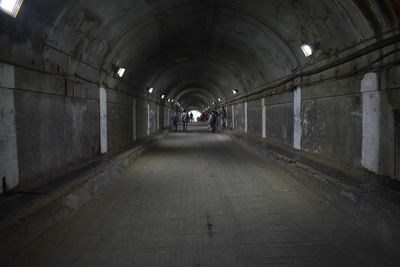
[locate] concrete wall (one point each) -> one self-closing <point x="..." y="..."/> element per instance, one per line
<point x="279" y="118"/>
<point x="352" y="121"/>
<point x="119" y="120"/>
<point x="57" y="124"/>
<point x="332" y="120"/>
<point x="9" y="171"/>
<point x="49" y="122"/>
<point x="389" y="89"/>
<point x="254" y="120"/>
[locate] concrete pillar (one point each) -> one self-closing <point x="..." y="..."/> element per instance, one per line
<point x="297" y="128"/>
<point x="9" y="171"/>
<point x="264" y="118"/>
<point x="233" y="116"/>
<point x="148" y="119"/>
<point x="245" y="118"/>
<point x="134" y="133"/>
<point x="370" y="122"/>
<point x="158" y="117"/>
<point x="103" y="120"/>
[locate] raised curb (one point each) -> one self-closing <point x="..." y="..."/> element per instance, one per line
<point x="378" y="215"/>
<point x="46" y="210"/>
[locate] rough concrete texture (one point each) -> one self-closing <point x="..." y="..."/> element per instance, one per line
<point x="332" y="121"/>
<point x="24" y="217"/>
<point x="119" y="120"/>
<point x="390" y="123"/>
<point x="279" y="117"/>
<point x="198" y="199"/>
<point x="254" y="119"/>
<point x="239" y="117"/>
<point x="52" y="133"/>
<point x="9" y="171"/>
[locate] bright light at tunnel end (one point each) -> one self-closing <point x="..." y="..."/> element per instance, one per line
<point x="11" y="7"/>
<point x="307" y="50"/>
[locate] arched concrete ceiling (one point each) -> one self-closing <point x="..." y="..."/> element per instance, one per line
<point x="206" y="48"/>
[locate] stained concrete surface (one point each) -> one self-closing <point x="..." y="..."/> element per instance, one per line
<point x="198" y="199"/>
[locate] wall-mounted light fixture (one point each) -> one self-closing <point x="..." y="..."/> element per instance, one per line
<point x="219" y="99"/>
<point x="11" y="7"/>
<point x="151" y="90"/>
<point x="163" y="96"/>
<point x="307" y="50"/>
<point x="235" y="91"/>
<point x="121" y="72"/>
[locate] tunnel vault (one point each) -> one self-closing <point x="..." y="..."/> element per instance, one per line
<point x="197" y="53"/>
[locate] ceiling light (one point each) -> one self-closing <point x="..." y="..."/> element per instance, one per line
<point x="11" y="7"/>
<point x="172" y="101"/>
<point x="151" y="90"/>
<point x="121" y="72"/>
<point x="235" y="91"/>
<point x="163" y="96"/>
<point x="307" y="50"/>
<point x="219" y="99"/>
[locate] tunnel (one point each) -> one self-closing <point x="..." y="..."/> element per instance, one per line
<point x="303" y="168"/>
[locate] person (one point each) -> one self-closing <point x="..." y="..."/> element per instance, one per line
<point x="223" y="117"/>
<point x="175" y="120"/>
<point x="185" y="120"/>
<point x="212" y="121"/>
<point x="191" y="117"/>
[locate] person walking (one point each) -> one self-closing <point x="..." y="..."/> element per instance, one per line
<point x="175" y="120"/>
<point x="191" y="117"/>
<point x="185" y="120"/>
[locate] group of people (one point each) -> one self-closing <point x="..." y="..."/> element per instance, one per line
<point x="210" y="116"/>
<point x="185" y="118"/>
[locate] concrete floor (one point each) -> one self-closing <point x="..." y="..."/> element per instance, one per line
<point x="200" y="200"/>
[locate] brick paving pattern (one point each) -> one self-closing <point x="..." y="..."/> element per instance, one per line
<point x="198" y="199"/>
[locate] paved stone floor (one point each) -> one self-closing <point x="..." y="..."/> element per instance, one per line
<point x="200" y="200"/>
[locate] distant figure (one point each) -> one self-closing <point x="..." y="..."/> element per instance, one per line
<point x="191" y="117"/>
<point x="223" y="117"/>
<point x="185" y="120"/>
<point x="175" y="120"/>
<point x="212" y="120"/>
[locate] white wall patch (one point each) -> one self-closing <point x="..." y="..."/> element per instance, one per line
<point x="370" y="122"/>
<point x="245" y="118"/>
<point x="264" y="118"/>
<point x="103" y="120"/>
<point x="297" y="129"/>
